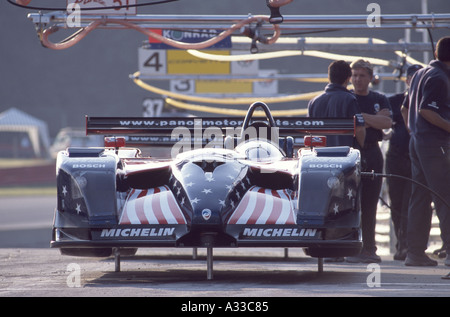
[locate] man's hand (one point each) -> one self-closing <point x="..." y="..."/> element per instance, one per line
<point x="381" y="120"/>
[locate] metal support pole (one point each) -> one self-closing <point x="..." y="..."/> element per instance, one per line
<point x="209" y="263"/>
<point x="320" y="265"/>
<point x="116" y="252"/>
<point x="291" y="22"/>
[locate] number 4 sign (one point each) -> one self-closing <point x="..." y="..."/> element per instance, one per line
<point x="152" y="62"/>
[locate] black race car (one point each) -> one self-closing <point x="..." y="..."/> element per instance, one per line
<point x="247" y="186"/>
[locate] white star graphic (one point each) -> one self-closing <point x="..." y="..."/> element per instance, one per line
<point x="210" y="179"/>
<point x="350" y="193"/>
<point x="78" y="209"/>
<point x="64" y="190"/>
<point x="336" y="209"/>
<point x="189" y="184"/>
<point x="207" y="191"/>
<point x="195" y="200"/>
<point x="222" y="202"/>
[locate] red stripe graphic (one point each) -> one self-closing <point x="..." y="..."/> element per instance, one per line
<point x="240" y="210"/>
<point x="139" y="207"/>
<point x="153" y="206"/>
<point x="260" y="203"/>
<point x="276" y="208"/>
<point x="156" y="207"/>
<point x="264" y="206"/>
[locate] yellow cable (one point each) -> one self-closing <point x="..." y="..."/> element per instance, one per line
<point x="351" y="40"/>
<point x="287" y="53"/>
<point x="225" y="101"/>
<point x="233" y="112"/>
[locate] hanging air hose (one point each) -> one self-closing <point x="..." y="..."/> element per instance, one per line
<point x="373" y="175"/>
<point x="80" y="34"/>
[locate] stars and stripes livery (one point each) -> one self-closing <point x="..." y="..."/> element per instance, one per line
<point x="264" y="206"/>
<point x="152" y="206"/>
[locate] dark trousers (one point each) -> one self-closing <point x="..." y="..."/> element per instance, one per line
<point x="372" y="160"/>
<point x="399" y="190"/>
<point x="430" y="164"/>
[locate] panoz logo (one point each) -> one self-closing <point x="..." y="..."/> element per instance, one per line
<point x="206" y="214"/>
<point x="279" y="232"/>
<point x="137" y="232"/>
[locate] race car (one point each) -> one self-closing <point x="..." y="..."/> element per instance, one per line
<point x="247" y="187"/>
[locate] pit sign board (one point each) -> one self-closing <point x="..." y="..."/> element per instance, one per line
<point x="162" y="59"/>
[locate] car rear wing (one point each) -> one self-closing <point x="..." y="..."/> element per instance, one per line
<point x="167" y="130"/>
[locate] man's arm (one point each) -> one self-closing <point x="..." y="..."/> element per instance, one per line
<point x="381" y="120"/>
<point x="435" y="119"/>
<point x="434" y="98"/>
<point x="405" y="115"/>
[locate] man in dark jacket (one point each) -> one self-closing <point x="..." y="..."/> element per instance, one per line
<point x="429" y="123"/>
<point x="338" y="102"/>
<point x="398" y="163"/>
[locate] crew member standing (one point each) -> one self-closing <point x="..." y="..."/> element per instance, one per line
<point x="338" y="102"/>
<point x="377" y="114"/>
<point x="398" y="163"/>
<point x="429" y="122"/>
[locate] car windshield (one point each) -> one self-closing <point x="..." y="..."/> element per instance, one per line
<point x="256" y="150"/>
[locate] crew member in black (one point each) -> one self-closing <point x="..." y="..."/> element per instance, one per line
<point x="338" y="102"/>
<point x="377" y="116"/>
<point x="429" y="122"/>
<point x="398" y="163"/>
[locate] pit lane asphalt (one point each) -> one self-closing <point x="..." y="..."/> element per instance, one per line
<point x="28" y="267"/>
